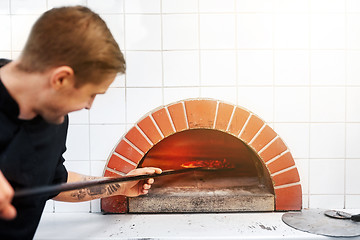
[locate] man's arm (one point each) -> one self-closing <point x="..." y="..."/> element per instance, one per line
<point x="7" y="211"/>
<point x="130" y="189"/>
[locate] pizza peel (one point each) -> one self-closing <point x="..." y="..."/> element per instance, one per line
<point x="318" y="221"/>
<point x="56" y="188"/>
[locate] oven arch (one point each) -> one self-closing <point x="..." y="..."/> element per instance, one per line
<point x="203" y="113"/>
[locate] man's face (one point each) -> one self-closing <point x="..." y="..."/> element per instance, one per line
<point x="72" y="99"/>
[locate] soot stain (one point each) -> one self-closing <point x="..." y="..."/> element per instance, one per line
<point x="266" y="228"/>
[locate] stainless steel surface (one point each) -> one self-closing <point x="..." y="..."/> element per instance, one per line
<point x="315" y="221"/>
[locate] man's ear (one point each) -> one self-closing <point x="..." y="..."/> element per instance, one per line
<point x="61" y="77"/>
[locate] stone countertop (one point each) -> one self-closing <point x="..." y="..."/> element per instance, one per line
<point x="169" y="226"/>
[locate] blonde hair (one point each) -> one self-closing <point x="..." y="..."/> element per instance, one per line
<point x="75" y="37"/>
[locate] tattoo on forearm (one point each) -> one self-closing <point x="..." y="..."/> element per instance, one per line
<point x="79" y="194"/>
<point x="95" y="191"/>
<point x="112" y="188"/>
<point x="99" y="190"/>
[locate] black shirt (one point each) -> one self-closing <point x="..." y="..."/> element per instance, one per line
<point x="30" y="155"/>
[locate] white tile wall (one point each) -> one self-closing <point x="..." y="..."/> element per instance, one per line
<point x="217" y="31"/>
<point x="143" y="32"/>
<point x="142" y="6"/>
<point x="294" y="63"/>
<point x="150" y="64"/>
<point x="255" y="67"/>
<point x="59" y="3"/>
<point x="291" y="30"/>
<point x="4" y="7"/>
<point x="327" y="140"/>
<point x="291" y="67"/>
<point x="5" y="28"/>
<point x="258" y="34"/>
<point x="327" y="30"/>
<point x="218" y="67"/>
<point x="248" y="97"/>
<point x="180" y="6"/>
<point x="28" y="7"/>
<point x="105" y="6"/>
<point x="352" y="71"/>
<point x="180" y="31"/>
<point x="181" y="68"/>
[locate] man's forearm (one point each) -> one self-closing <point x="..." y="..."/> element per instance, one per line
<point x="89" y="193"/>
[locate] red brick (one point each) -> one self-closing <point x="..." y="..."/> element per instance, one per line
<point x="135" y="137"/>
<point x="119" y="164"/>
<point x="115" y="204"/>
<point x="238" y="121"/>
<point x="178" y="117"/>
<point x="289" y="198"/>
<point x="266" y="135"/>
<point x="274" y="149"/>
<point x="283" y="162"/>
<point x="251" y="128"/>
<point x="200" y="113"/>
<point x="223" y="116"/>
<point x="162" y="120"/>
<point x="291" y="176"/>
<point x="150" y="130"/>
<point x="111" y="174"/>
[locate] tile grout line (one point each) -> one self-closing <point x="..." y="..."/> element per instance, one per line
<point x="309" y="119"/>
<point x="170" y="118"/>
<point x="156" y="126"/>
<point x="144" y="135"/>
<point x="236" y="55"/>
<point x="133" y="146"/>
<point x="257" y="133"/>
<point x="125" y="159"/>
<point x="277" y="157"/>
<point x="283" y="171"/>
<point x="186" y="117"/>
<point x="216" y="114"/>
<point x="244" y="126"/>
<point x="162" y="52"/>
<point x="231" y="118"/>
<point x="268" y="144"/>
<point x="287" y="185"/>
<point x="199" y="48"/>
<point x="346" y="92"/>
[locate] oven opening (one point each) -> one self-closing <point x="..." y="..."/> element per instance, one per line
<point x="241" y="182"/>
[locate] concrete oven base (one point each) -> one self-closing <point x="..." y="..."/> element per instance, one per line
<point x="225" y="200"/>
<point x="254" y="226"/>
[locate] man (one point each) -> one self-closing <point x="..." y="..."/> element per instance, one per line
<point x="69" y="58"/>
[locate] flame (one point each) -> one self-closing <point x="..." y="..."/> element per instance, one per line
<point x="208" y="164"/>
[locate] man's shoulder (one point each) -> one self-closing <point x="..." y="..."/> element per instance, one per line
<point x="4" y="61"/>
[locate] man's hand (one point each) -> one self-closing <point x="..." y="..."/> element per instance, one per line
<point x="136" y="188"/>
<point x="7" y="211"/>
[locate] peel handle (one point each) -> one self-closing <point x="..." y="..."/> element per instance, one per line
<point x="54" y="189"/>
<point x="355" y="218"/>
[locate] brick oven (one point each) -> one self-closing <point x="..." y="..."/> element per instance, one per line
<point x="263" y="176"/>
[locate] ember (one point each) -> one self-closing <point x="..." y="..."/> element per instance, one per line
<point x="208" y="164"/>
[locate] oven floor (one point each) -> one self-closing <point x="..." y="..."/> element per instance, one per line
<point x="219" y="191"/>
<point x="254" y="226"/>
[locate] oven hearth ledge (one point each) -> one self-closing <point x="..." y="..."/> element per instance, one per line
<point x="264" y="225"/>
